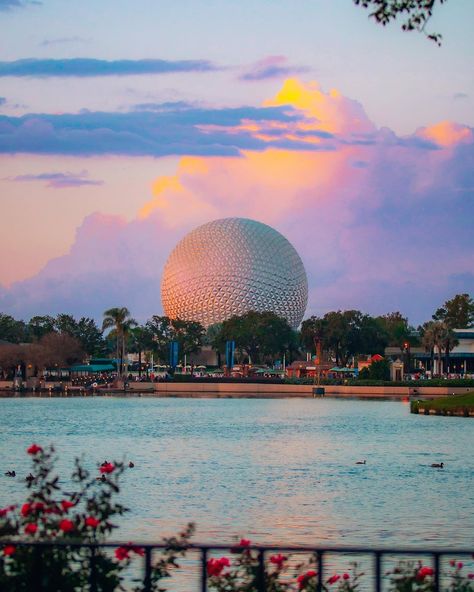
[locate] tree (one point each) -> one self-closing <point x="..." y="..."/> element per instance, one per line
<point x="212" y="338"/>
<point x="258" y="334"/>
<point x="12" y="330"/>
<point x="120" y="323"/>
<point x="54" y="349"/>
<point x="457" y="313"/>
<point x="39" y="326"/>
<point x="189" y="335"/>
<point x="418" y="13"/>
<point x="447" y="342"/>
<point x="378" y="370"/>
<point x="429" y="339"/>
<point x="11" y="355"/>
<point x="90" y="336"/>
<point x="140" y="339"/>
<point x="313" y="333"/>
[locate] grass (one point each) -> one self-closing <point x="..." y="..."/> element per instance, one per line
<point x="463" y="404"/>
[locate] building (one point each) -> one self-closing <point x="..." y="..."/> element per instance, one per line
<point x="460" y="361"/>
<point x="232" y="266"/>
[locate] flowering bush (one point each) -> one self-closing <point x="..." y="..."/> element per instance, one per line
<point x="83" y="516"/>
<point x="458" y="580"/>
<point x="242" y="573"/>
<point x="411" y="576"/>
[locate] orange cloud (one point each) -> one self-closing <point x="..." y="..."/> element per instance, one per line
<point x="447" y="133"/>
<point x="331" y="112"/>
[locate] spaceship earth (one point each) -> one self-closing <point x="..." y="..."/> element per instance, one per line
<point x="230" y="266"/>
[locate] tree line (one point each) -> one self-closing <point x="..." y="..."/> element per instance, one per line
<point x="47" y="341"/>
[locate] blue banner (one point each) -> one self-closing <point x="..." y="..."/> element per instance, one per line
<point x="229" y="354"/>
<point x="174" y="350"/>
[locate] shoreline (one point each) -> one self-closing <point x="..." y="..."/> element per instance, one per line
<point x="244" y="390"/>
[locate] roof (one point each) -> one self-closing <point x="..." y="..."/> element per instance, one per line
<point x="92" y="368"/>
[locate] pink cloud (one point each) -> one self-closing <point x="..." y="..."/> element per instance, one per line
<point x="382" y="223"/>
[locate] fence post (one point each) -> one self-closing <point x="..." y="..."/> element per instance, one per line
<point x="203" y="570"/>
<point x="378" y="575"/>
<point x="261" y="571"/>
<point x="319" y="556"/>
<point x="436" y="572"/>
<point x="147" y="580"/>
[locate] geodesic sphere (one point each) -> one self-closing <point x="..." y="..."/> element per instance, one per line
<point x="231" y="266"/>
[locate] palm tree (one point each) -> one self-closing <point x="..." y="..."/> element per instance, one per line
<point x="438" y="329"/>
<point x="120" y="321"/>
<point x="448" y="342"/>
<point x="429" y="341"/>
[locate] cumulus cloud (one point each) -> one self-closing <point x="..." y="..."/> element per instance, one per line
<point x="59" y="180"/>
<point x="269" y="68"/>
<point x="380" y="225"/>
<point x="87" y="67"/>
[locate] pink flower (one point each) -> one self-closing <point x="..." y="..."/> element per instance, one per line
<point x="346" y="576"/>
<point x="215" y="566"/>
<point x="278" y="560"/>
<point x="34" y="449"/>
<point x="333" y="579"/>
<point x="122" y="553"/>
<point x="92" y="522"/>
<point x="66" y="504"/>
<point x="423" y="572"/>
<point x="9" y="550"/>
<point x="470" y="576"/>
<point x="452" y="563"/>
<point x="304" y="578"/>
<point x="38" y="507"/>
<point x="460" y="565"/>
<point x="66" y="525"/>
<point x="107" y="468"/>
<point x="244" y="543"/>
<point x="31" y="528"/>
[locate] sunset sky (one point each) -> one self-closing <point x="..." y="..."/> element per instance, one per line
<point x="124" y="124"/>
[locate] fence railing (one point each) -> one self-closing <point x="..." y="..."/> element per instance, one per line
<point x="432" y="557"/>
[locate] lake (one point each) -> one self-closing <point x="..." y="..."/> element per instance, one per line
<point x="278" y="471"/>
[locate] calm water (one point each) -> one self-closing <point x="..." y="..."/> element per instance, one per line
<point x="275" y="471"/>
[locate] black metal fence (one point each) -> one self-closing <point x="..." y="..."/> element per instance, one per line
<point x="377" y="558"/>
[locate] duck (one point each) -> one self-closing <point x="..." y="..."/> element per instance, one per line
<point x="131" y="465"/>
<point x="106" y="462"/>
<point x="437" y="465"/>
<point x="361" y="462"/>
<point x="10" y="474"/>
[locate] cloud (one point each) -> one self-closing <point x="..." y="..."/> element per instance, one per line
<point x="3" y="100"/>
<point x="10" y="4"/>
<point x="63" y="40"/>
<point x="460" y="96"/>
<point x="380" y="225"/>
<point x="269" y="68"/>
<point x="59" y="180"/>
<point x="87" y="67"/>
<point x="155" y="132"/>
<point x="446" y="133"/>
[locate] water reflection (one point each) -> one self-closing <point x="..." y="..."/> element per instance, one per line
<point x="273" y="470"/>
